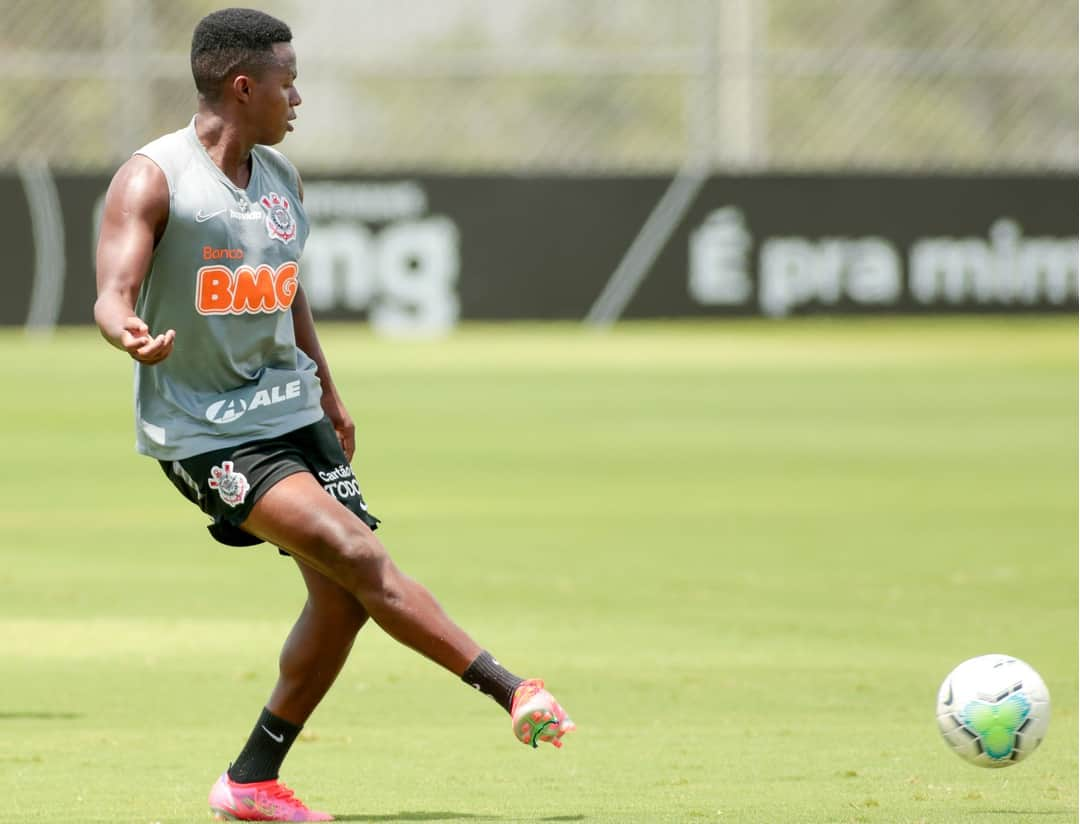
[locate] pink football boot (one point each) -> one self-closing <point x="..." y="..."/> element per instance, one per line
<point x="260" y="801"/>
<point x="537" y="716"/>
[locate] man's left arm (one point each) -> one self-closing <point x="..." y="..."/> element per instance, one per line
<point x="308" y="342"/>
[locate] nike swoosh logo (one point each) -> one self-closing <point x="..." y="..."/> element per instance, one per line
<point x="202" y="217"/>
<point x="948" y="701"/>
<point x="279" y="738"/>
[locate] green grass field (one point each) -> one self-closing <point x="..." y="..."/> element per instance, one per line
<point x="744" y="555"/>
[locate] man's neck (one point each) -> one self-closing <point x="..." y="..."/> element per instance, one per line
<point x="227" y="147"/>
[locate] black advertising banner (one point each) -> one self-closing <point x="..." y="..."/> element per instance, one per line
<point x="788" y="245"/>
<point x="478" y="248"/>
<point x="18" y="240"/>
<point x="418" y="254"/>
<point x="49" y="233"/>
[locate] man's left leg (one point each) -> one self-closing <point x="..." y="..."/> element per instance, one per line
<point x="310" y="661"/>
<point x="312" y="657"/>
<point x="317" y="647"/>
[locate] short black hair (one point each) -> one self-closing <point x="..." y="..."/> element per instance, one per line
<point x="233" y="40"/>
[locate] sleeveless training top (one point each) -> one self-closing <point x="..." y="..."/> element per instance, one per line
<point x="223" y="275"/>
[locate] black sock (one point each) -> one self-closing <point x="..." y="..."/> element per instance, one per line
<point x="488" y="676"/>
<point x="265" y="749"/>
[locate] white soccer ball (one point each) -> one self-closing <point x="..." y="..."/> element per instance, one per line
<point x="993" y="710"/>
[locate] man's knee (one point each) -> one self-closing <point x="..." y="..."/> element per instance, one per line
<point x="335" y="607"/>
<point x="366" y="569"/>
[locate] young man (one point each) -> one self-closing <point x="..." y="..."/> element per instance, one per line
<point x="197" y="270"/>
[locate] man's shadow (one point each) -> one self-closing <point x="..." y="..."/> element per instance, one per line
<point x="444" y="815"/>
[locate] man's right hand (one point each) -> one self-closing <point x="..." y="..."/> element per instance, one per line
<point x="137" y="341"/>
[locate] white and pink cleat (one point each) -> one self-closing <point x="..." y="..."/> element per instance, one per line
<point x="260" y="801"/>
<point x="537" y="716"/>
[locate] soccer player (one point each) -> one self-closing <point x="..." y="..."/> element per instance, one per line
<point x="198" y="281"/>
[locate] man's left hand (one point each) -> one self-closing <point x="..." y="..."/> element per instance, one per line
<point x="343" y="423"/>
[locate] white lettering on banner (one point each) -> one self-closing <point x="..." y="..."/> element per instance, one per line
<point x="720" y="259"/>
<point x="797" y="271"/>
<point x="417" y="265"/>
<point x="334" y="200"/>
<point x="405" y="275"/>
<point x="338" y="266"/>
<point x="1005" y="269"/>
<point x="227" y="411"/>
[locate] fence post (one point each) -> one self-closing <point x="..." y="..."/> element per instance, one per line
<point x="127" y="38"/>
<point x="740" y="99"/>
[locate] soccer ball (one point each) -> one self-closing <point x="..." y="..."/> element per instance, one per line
<point x="993" y="710"/>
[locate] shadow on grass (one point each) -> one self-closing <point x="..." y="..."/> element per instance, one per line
<point x="40" y="716"/>
<point x="407" y="815"/>
<point x="442" y="815"/>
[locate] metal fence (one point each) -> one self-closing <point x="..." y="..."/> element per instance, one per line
<point x="593" y="86"/>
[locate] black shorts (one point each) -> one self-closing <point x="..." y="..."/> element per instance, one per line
<point x="226" y="483"/>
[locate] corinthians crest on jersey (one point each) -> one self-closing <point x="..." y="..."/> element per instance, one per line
<point x="279" y="219"/>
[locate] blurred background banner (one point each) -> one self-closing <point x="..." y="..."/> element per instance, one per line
<point x="413" y="255"/>
<point x="593" y="159"/>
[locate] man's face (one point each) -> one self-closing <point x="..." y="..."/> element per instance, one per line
<point x="274" y="97"/>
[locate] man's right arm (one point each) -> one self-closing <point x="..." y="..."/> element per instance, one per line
<point x="136" y="212"/>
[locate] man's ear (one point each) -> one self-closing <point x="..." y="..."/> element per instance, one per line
<point x="242" y="86"/>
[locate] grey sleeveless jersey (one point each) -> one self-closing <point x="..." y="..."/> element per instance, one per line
<point x="224" y="276"/>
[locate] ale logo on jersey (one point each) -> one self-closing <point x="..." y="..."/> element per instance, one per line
<point x="227" y="411"/>
<point x="279" y="220"/>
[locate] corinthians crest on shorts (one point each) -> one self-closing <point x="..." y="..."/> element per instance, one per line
<point x="231" y="486"/>
<point x="279" y="220"/>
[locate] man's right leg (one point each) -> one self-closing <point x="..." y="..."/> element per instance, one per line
<point x="297" y="515"/>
